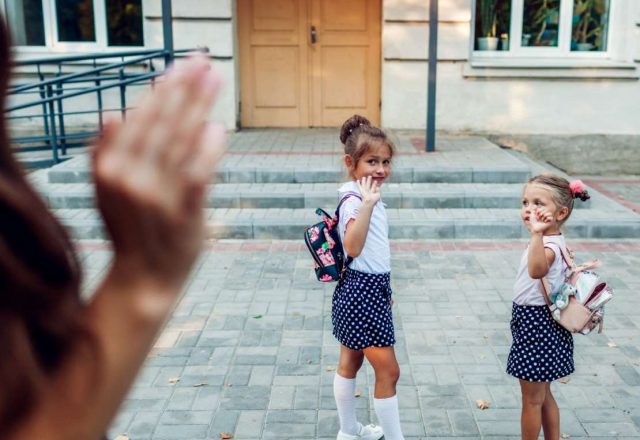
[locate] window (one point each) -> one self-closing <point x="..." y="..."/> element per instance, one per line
<point x="26" y="20"/>
<point x="75" y="24"/>
<point x="542" y="27"/>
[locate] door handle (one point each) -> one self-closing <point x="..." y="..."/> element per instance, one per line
<point x="314" y="35"/>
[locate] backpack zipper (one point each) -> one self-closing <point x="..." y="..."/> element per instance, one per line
<point x="312" y="250"/>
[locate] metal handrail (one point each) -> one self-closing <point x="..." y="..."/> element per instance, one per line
<point x="18" y="89"/>
<point x="56" y="87"/>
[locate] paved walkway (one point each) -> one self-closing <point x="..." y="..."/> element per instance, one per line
<point x="249" y="349"/>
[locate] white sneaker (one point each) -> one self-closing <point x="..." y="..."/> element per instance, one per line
<point x="369" y="432"/>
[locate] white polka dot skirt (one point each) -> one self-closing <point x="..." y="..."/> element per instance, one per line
<point x="361" y="312"/>
<point x="542" y="350"/>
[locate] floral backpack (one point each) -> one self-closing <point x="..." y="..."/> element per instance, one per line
<point x="323" y="241"/>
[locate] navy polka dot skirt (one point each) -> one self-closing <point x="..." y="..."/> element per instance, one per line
<point x="542" y="350"/>
<point x="361" y="312"/>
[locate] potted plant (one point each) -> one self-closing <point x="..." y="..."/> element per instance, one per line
<point x="546" y="15"/>
<point x="488" y="23"/>
<point x="504" y="41"/>
<point x="588" y="29"/>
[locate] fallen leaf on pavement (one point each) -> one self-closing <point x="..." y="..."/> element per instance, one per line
<point x="482" y="404"/>
<point x="565" y="435"/>
<point x="173" y="380"/>
<point x="257" y="317"/>
<point x="565" y="379"/>
<point x="225" y="435"/>
<point x="330" y="369"/>
<point x="357" y="393"/>
<point x="201" y="384"/>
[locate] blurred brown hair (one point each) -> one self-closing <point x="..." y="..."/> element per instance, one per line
<point x="40" y="305"/>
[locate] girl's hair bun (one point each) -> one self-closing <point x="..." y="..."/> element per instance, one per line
<point x="350" y="125"/>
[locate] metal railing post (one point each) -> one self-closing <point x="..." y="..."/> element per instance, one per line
<point x="53" y="138"/>
<point x="99" y="96"/>
<point x="123" y="97"/>
<point x="59" y="92"/>
<point x="431" y="88"/>
<point x="167" y="31"/>
<point x="45" y="116"/>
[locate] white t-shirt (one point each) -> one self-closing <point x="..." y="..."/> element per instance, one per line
<point x="528" y="291"/>
<point x="376" y="255"/>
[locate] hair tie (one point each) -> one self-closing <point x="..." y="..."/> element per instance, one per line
<point x="578" y="190"/>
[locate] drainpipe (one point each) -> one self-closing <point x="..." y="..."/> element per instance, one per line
<point x="167" y="32"/>
<point x="431" y="77"/>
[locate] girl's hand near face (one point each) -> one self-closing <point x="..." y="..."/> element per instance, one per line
<point x="540" y="220"/>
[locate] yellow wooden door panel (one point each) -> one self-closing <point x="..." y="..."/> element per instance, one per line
<point x="344" y="15"/>
<point x="345" y="61"/>
<point x="275" y="15"/>
<point x="273" y="63"/>
<point x="344" y="78"/>
<point x="277" y="79"/>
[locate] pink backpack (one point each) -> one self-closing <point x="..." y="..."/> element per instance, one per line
<point x="584" y="310"/>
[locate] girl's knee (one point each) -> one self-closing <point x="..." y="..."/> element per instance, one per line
<point x="389" y="375"/>
<point x="348" y="371"/>
<point x="533" y="401"/>
<point x="533" y="394"/>
<point x="348" y="366"/>
<point x="534" y="398"/>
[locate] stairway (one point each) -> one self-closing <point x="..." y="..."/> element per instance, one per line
<point x="271" y="181"/>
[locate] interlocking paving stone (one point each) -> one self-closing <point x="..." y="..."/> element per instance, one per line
<point x="452" y="348"/>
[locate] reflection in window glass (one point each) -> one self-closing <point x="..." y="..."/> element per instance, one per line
<point x="540" y="23"/>
<point x="26" y="22"/>
<point x="493" y="21"/>
<point x="75" y="20"/>
<point x="590" y="25"/>
<point x="124" y="23"/>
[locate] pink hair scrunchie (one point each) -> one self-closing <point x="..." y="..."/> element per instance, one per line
<point x="577" y="187"/>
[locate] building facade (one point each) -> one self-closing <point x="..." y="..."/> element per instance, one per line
<point x="565" y="67"/>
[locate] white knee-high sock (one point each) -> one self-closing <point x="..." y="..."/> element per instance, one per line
<point x="344" y="392"/>
<point x="389" y="417"/>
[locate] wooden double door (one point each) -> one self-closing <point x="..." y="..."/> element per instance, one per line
<point x="308" y="63"/>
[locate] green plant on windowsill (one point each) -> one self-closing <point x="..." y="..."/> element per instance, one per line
<point x="588" y="30"/>
<point x="488" y="39"/>
<point x="546" y="10"/>
<point x="488" y="18"/>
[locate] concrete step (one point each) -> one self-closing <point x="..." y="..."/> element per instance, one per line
<point x="282" y="223"/>
<point x="311" y="195"/>
<point x="257" y="168"/>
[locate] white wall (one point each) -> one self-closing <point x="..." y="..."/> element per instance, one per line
<point x="202" y="23"/>
<point x="603" y="98"/>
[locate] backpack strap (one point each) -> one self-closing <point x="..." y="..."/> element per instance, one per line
<point x="546" y="287"/>
<point x="344" y="199"/>
<point x="337" y="221"/>
<point x="567" y="256"/>
<point x="546" y="291"/>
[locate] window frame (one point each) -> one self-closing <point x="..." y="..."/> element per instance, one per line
<point x="53" y="45"/>
<point x="562" y="51"/>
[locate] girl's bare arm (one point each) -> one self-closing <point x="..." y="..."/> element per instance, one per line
<point x="357" y="229"/>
